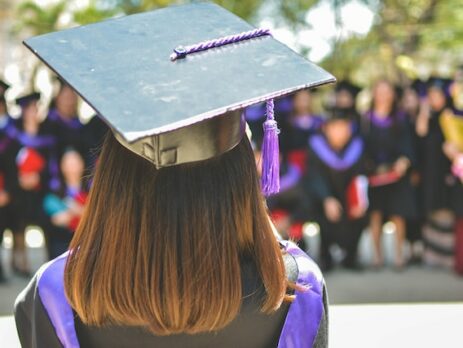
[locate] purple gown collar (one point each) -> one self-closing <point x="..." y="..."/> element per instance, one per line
<point x="73" y="123"/>
<point x="342" y="161"/>
<point x="300" y="328"/>
<point x="291" y="178"/>
<point x="35" y="141"/>
<point x="51" y="292"/>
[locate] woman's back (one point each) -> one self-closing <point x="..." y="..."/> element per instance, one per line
<point x="42" y="320"/>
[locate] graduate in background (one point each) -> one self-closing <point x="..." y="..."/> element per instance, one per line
<point x="413" y="95"/>
<point x="65" y="207"/>
<point x="438" y="181"/>
<point x="345" y="95"/>
<point x="64" y="120"/>
<point x="335" y="178"/>
<point x="389" y="156"/>
<point x="302" y="123"/>
<point x="8" y="174"/>
<point x="38" y="171"/>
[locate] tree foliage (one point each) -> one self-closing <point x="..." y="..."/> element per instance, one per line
<point x="405" y="33"/>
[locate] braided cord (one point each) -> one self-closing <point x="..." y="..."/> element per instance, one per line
<point x="182" y="52"/>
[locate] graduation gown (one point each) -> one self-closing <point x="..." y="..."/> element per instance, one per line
<point x="45" y="319"/>
<point x="386" y="141"/>
<point x="68" y="132"/>
<point x="28" y="203"/>
<point x="330" y="174"/>
<point x="8" y="175"/>
<point x="436" y="168"/>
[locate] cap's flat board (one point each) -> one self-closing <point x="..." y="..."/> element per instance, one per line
<point x="121" y="67"/>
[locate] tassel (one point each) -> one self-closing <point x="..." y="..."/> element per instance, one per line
<point x="270" y="154"/>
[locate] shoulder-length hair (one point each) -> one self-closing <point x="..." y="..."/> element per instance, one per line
<point x="162" y="248"/>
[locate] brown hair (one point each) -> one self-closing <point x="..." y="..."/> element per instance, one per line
<point x="162" y="248"/>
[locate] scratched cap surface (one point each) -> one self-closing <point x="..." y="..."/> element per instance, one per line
<point x="122" y="68"/>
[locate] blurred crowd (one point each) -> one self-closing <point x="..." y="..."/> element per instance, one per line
<point x="44" y="167"/>
<point x="351" y="166"/>
<point x="346" y="165"/>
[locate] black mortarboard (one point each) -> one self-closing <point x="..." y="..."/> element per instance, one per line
<point x="336" y="113"/>
<point x="440" y="83"/>
<point x="25" y="100"/>
<point x="348" y="86"/>
<point x="419" y="86"/>
<point x="3" y="87"/>
<point x="172" y="111"/>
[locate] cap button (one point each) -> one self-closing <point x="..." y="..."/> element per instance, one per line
<point x="180" y="52"/>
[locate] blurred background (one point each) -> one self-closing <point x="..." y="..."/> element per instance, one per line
<point x="392" y="123"/>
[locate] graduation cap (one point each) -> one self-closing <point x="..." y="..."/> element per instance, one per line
<point x="440" y="83"/>
<point x="3" y="87"/>
<point x="334" y="113"/>
<point x="25" y="100"/>
<point x="172" y="83"/>
<point x="346" y="85"/>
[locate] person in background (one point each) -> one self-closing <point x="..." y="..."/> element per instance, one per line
<point x="335" y="178"/>
<point x="302" y="123"/>
<point x="437" y="180"/>
<point x="64" y="120"/>
<point x="37" y="174"/>
<point x="410" y="103"/>
<point x="64" y="208"/>
<point x="389" y="156"/>
<point x="345" y="94"/>
<point x="8" y="175"/>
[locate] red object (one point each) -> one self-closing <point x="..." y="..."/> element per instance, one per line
<point x="357" y="196"/>
<point x="298" y="158"/>
<point x="459" y="246"/>
<point x="295" y="230"/>
<point x="2" y="182"/>
<point x="383" y="179"/>
<point x="80" y="198"/>
<point x="29" y="161"/>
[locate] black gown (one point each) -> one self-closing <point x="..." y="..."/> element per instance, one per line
<point x="386" y="141"/>
<point x="8" y="176"/>
<point x="249" y="329"/>
<point x="437" y="180"/>
<point x="329" y="175"/>
<point x="28" y="203"/>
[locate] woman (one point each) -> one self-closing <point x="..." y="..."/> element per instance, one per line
<point x="207" y="268"/>
<point x="175" y="247"/>
<point x="64" y="119"/>
<point x="8" y="176"/>
<point x="64" y="208"/>
<point x="440" y="187"/>
<point x="389" y="155"/>
<point x="35" y="165"/>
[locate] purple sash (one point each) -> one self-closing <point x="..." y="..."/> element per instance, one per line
<point x="349" y="157"/>
<point x="299" y="330"/>
<point x="305" y="313"/>
<point x="51" y="292"/>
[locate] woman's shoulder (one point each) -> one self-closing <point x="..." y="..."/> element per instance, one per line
<point x="300" y="268"/>
<point x="41" y="309"/>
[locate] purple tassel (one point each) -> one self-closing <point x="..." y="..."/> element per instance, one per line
<point x="270" y="154"/>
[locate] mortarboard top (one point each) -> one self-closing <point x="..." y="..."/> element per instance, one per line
<point x="25" y="100"/>
<point x="122" y="68"/>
